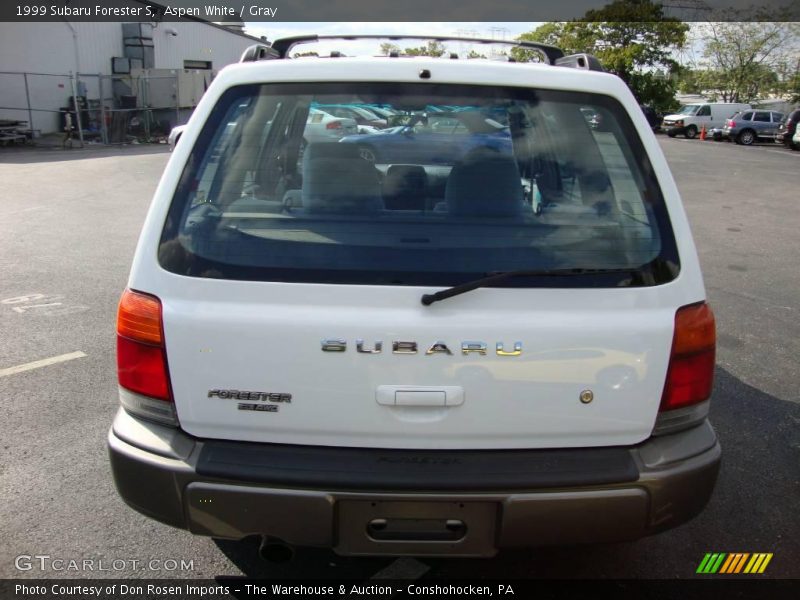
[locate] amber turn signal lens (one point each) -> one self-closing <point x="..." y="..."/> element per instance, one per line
<point x="139" y="318"/>
<point x="695" y="329"/>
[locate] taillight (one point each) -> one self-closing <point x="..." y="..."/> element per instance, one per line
<point x="334" y="125"/>
<point x="142" y="359"/>
<point x="731" y="123"/>
<point x="142" y="369"/>
<point x="690" y="375"/>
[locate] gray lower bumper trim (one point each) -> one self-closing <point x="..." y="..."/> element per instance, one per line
<point x="676" y="476"/>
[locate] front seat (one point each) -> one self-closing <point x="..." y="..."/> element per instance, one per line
<point x="405" y="187"/>
<point x="485" y="183"/>
<point x="337" y="180"/>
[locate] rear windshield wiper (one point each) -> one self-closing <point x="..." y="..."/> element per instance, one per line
<point x="468" y="286"/>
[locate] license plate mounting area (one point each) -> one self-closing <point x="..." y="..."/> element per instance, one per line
<point x="416" y="527"/>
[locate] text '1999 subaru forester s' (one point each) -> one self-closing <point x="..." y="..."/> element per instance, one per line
<point x="483" y="326"/>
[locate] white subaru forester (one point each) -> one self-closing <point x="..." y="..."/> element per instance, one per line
<point x="481" y="327"/>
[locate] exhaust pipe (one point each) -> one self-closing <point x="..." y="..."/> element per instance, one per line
<point x="275" y="551"/>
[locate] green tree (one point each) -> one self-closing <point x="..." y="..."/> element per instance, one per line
<point x="388" y="48"/>
<point x="552" y="34"/>
<point x="793" y="85"/>
<point x="632" y="39"/>
<point x="432" y="48"/>
<point x="788" y="73"/>
<point x="689" y="81"/>
<point x="743" y="58"/>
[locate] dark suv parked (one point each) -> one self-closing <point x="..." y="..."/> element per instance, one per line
<point x="653" y="118"/>
<point x="787" y="128"/>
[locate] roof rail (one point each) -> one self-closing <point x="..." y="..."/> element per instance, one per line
<point x="258" y="52"/>
<point x="580" y="61"/>
<point x="555" y="56"/>
<point x="283" y="46"/>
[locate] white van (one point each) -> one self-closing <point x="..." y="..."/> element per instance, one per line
<point x="490" y="336"/>
<point x="691" y="118"/>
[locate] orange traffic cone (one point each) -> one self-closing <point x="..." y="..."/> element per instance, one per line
<point x="703" y="132"/>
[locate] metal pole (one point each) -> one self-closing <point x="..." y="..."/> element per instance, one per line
<point x="177" y="100"/>
<point x="103" y="130"/>
<point x="28" y="100"/>
<point x="72" y="79"/>
<point x="146" y="114"/>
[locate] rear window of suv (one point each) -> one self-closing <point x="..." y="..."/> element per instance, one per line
<point x="463" y="181"/>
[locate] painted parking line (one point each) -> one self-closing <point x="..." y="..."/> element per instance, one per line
<point x="45" y="362"/>
<point x="783" y="152"/>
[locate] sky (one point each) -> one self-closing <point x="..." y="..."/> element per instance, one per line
<point x="275" y="30"/>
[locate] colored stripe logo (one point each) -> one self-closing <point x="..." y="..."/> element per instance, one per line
<point x="734" y="563"/>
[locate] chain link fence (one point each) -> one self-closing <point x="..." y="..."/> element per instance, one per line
<point x="83" y="108"/>
<point x="25" y="112"/>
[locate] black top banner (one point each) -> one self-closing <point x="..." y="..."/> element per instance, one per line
<point x="381" y="10"/>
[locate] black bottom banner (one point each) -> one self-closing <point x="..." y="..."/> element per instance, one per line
<point x="384" y="589"/>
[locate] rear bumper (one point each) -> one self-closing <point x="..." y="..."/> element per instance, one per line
<point x="628" y="493"/>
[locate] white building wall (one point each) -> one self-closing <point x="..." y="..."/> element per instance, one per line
<point x="51" y="47"/>
<point x="196" y="41"/>
<point x="62" y="48"/>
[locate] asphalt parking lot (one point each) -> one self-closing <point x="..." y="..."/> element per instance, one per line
<point x="69" y="221"/>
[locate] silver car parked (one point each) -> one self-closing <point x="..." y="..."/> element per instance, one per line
<point x="750" y="126"/>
